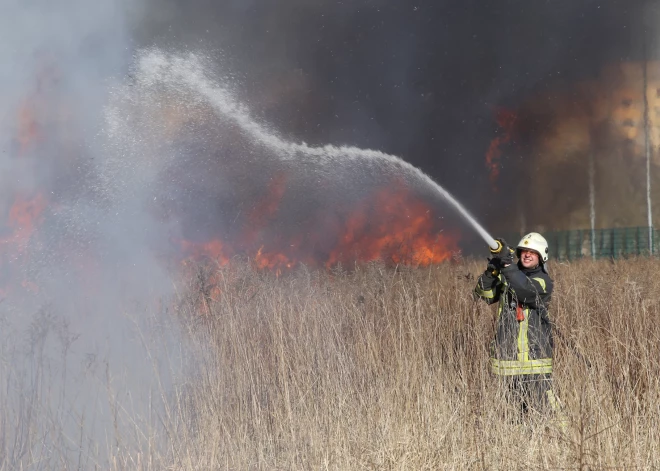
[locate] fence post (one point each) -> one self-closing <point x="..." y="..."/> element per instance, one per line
<point x="652" y="241"/>
<point x="578" y="249"/>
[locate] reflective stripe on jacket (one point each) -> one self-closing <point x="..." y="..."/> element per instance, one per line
<point x="521" y="346"/>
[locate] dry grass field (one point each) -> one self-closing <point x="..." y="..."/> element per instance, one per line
<point x="386" y="369"/>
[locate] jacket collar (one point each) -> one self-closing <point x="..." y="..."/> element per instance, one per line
<point x="531" y="271"/>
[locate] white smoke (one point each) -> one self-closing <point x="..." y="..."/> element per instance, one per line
<point x="189" y="76"/>
<point x="76" y="305"/>
<point x="100" y="151"/>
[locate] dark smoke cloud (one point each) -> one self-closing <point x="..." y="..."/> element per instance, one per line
<point x="417" y="79"/>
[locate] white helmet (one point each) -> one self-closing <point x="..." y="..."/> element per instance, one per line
<point x="536" y="242"/>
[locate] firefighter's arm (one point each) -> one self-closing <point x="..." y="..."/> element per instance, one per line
<point x="532" y="291"/>
<point x="488" y="287"/>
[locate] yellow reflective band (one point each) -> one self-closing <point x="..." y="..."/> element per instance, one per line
<point x="541" y="281"/>
<point x="514" y="368"/>
<point x="484" y="293"/>
<point x="523" y="343"/>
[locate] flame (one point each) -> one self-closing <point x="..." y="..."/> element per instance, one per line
<point x="214" y="249"/>
<point x="23" y="217"/>
<point x="391" y="225"/>
<point x="38" y="109"/>
<point x="506" y="121"/>
<point x="43" y="134"/>
<point x="273" y="261"/>
<point x="25" y="213"/>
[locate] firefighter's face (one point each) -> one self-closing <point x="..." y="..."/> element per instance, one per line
<point x="529" y="258"/>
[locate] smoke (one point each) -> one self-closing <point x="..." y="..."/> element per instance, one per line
<point x="106" y="168"/>
<point x="218" y="173"/>
<point x="79" y="286"/>
<point x="422" y="80"/>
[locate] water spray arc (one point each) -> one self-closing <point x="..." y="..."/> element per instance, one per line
<point x="188" y="73"/>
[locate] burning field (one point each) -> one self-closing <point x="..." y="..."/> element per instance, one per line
<point x="95" y="223"/>
<point x="186" y="284"/>
<point x="210" y="188"/>
<point x="390" y="225"/>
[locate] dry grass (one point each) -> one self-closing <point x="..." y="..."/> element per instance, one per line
<point x="387" y="369"/>
<point x="383" y="369"/>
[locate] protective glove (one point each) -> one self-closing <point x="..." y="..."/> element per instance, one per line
<point x="493" y="267"/>
<point x="504" y="257"/>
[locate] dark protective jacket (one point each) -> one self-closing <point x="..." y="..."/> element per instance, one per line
<point x="523" y="340"/>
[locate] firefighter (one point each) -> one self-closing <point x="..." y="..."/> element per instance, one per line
<point x="521" y="353"/>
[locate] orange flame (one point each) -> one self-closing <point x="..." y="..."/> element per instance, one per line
<point x="392" y="225"/>
<point x="24" y="215"/>
<point x="33" y="109"/>
<point x="214" y="249"/>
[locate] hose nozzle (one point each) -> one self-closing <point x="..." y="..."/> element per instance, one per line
<point x="498" y="248"/>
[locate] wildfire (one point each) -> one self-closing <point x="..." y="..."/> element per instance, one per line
<point x="391" y="225"/>
<point x="19" y="222"/>
<point x="23" y="217"/>
<point x="24" y="214"/>
<point x="395" y="227"/>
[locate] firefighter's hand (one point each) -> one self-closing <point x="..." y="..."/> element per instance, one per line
<point x="504" y="257"/>
<point x="493" y="266"/>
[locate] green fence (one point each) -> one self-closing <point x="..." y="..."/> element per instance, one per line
<point x="602" y="243"/>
